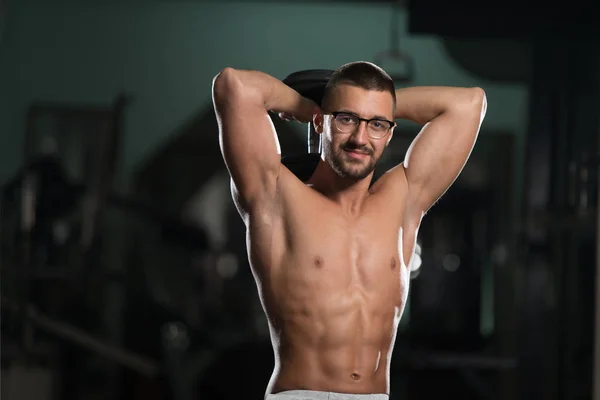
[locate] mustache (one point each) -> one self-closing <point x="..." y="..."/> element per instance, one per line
<point x="357" y="148"/>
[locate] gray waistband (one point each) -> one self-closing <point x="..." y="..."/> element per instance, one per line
<point x="314" y="395"/>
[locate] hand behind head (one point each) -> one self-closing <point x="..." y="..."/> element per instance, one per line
<point x="304" y="114"/>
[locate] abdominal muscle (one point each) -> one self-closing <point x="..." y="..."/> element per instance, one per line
<point x="334" y="340"/>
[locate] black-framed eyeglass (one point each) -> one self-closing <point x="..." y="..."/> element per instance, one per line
<point x="347" y="122"/>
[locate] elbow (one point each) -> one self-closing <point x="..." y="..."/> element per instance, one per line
<point x="232" y="86"/>
<point x="473" y="96"/>
<point x="227" y="74"/>
<point x="225" y="83"/>
<point x="479" y="102"/>
<point x="478" y="93"/>
<point x="476" y="98"/>
<point x="472" y="100"/>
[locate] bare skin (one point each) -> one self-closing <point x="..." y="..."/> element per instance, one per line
<point x="330" y="257"/>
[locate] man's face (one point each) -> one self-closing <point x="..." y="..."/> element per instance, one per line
<point x="354" y="154"/>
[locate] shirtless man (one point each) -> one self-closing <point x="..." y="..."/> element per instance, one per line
<point x="330" y="256"/>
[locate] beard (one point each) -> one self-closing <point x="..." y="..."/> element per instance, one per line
<point x="346" y="166"/>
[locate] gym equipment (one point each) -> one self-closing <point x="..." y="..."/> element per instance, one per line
<point x="53" y="219"/>
<point x="52" y="196"/>
<point x="397" y="63"/>
<point x="311" y="84"/>
<point x="303" y="165"/>
<point x="56" y="196"/>
<point x="141" y="364"/>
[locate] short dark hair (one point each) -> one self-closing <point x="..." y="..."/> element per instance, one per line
<point x="362" y="74"/>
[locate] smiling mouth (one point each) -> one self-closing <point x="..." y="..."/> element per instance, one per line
<point x="355" y="153"/>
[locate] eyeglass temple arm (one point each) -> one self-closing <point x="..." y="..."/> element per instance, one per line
<point x="314" y="140"/>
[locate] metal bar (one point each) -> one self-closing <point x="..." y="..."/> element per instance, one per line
<point x="141" y="364"/>
<point x="314" y="139"/>
<point x="138" y="363"/>
<point x="466" y="361"/>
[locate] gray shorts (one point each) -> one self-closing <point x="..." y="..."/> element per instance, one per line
<point x="314" y="395"/>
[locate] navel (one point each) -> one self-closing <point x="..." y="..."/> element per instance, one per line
<point x="355" y="376"/>
<point x="318" y="261"/>
<point x="393" y="263"/>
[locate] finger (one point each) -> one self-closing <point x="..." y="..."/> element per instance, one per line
<point x="286" y="117"/>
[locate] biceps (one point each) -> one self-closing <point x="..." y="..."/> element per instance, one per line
<point x="438" y="154"/>
<point x="250" y="148"/>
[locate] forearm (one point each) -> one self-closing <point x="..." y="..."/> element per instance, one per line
<point x="423" y="104"/>
<point x="271" y="92"/>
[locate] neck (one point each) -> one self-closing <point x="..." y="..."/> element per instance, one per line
<point x="348" y="193"/>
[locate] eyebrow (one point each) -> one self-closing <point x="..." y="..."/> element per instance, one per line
<point x="374" y="117"/>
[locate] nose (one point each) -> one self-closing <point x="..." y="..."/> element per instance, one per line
<point x="360" y="135"/>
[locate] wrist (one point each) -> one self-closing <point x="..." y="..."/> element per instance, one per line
<point x="400" y="111"/>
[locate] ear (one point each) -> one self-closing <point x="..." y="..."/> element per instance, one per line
<point x="390" y="137"/>
<point x="318" y="122"/>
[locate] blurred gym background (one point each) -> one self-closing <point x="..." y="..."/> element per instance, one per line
<point x="124" y="271"/>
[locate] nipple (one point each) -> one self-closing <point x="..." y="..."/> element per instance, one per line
<point x="319" y="261"/>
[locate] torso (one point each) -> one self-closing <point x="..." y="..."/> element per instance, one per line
<point x="333" y="287"/>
